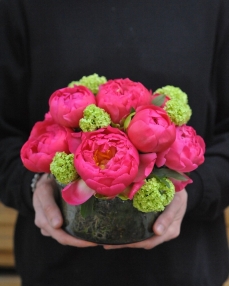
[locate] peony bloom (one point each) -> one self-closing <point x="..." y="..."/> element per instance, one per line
<point x="118" y="97"/>
<point x="45" y="140"/>
<point x="107" y="161"/>
<point x="67" y="105"/>
<point x="41" y="127"/>
<point x="151" y="130"/>
<point x="187" y="151"/>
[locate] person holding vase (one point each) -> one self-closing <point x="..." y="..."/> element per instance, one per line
<point x="46" y="44"/>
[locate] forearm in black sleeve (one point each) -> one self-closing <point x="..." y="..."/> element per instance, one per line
<point x="14" y="114"/>
<point x="209" y="194"/>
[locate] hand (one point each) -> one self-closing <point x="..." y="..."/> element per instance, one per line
<point x="167" y="225"/>
<point x="48" y="216"/>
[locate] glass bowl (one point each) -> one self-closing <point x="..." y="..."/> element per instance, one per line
<point x="112" y="221"/>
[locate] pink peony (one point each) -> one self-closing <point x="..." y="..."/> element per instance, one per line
<point x="118" y="97"/>
<point x="107" y="161"/>
<point x="48" y="116"/>
<point x="41" y="127"/>
<point x="151" y="130"/>
<point x="67" y="105"/>
<point x="187" y="152"/>
<point x="45" y="140"/>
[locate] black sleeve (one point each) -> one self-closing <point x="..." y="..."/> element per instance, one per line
<point x="14" y="113"/>
<point x="209" y="194"/>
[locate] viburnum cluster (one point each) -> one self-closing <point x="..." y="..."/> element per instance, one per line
<point x="116" y="138"/>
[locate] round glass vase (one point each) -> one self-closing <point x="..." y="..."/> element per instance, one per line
<point x="111" y="221"/>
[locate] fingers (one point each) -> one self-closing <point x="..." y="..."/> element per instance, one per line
<point x="146" y="244"/>
<point x="173" y="212"/>
<point x="57" y="233"/>
<point x="65" y="239"/>
<point x="48" y="216"/>
<point x="44" y="203"/>
<point x="166" y="227"/>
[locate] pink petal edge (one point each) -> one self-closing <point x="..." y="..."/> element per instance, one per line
<point x="135" y="187"/>
<point x="146" y="165"/>
<point x="77" y="192"/>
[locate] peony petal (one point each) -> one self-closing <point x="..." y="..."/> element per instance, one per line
<point x="134" y="188"/>
<point x="111" y="190"/>
<point x="146" y="165"/>
<point x="77" y="193"/>
<point x="74" y="140"/>
<point x="161" y="158"/>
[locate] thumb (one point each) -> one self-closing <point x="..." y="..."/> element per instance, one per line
<point x="165" y="219"/>
<point x="174" y="211"/>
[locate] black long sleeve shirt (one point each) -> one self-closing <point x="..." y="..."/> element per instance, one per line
<point x="44" y="45"/>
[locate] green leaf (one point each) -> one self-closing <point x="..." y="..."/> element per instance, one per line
<point x="163" y="181"/>
<point x="87" y="208"/>
<point x="166" y="172"/>
<point x="115" y="125"/>
<point x="101" y="197"/>
<point x="123" y="197"/>
<point x="127" y="120"/>
<point x="158" y="101"/>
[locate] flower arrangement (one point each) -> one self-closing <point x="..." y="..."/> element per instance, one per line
<point x="115" y="138"/>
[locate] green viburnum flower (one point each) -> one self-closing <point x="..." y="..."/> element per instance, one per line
<point x="173" y="93"/>
<point x="94" y="118"/>
<point x="179" y="113"/>
<point x="154" y="195"/>
<point x="62" y="167"/>
<point x="92" y="82"/>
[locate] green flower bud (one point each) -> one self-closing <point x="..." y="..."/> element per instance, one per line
<point x="62" y="167"/>
<point x="173" y="93"/>
<point x="92" y="82"/>
<point x="179" y="113"/>
<point x="94" y="118"/>
<point x="154" y="195"/>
